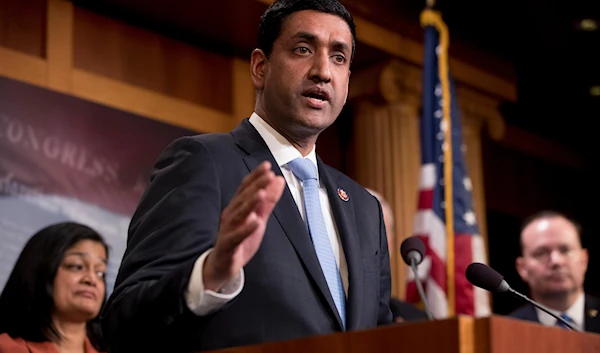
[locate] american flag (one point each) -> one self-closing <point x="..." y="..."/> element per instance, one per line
<point x="447" y="290"/>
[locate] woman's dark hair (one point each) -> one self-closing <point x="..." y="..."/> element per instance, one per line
<point x="27" y="301"/>
<point x="273" y="19"/>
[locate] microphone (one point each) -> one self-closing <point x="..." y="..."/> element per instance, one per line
<point x="485" y="277"/>
<point x="412" y="251"/>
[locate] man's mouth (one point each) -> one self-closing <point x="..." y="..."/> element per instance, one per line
<point x="557" y="276"/>
<point x="317" y="96"/>
<point x="316" y="93"/>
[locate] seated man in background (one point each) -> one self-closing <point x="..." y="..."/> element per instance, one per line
<point x="401" y="310"/>
<point x="553" y="264"/>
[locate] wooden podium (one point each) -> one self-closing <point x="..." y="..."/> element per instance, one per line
<point x="457" y="335"/>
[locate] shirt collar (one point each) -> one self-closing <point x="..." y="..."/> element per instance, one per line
<point x="281" y="149"/>
<point x="575" y="312"/>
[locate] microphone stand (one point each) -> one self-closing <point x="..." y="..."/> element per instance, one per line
<point x="413" y="265"/>
<point x="545" y="309"/>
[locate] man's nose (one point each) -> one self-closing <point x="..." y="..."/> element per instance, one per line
<point x="320" y="70"/>
<point x="556" y="257"/>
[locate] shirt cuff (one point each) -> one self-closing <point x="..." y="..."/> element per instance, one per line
<point x="203" y="301"/>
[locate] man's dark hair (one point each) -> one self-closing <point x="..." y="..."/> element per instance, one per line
<point x="548" y="214"/>
<point x="27" y="301"/>
<point x="274" y="18"/>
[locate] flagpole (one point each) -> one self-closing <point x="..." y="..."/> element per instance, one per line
<point x="433" y="18"/>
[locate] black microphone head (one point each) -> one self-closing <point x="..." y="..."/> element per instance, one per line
<point x="485" y="277"/>
<point x="408" y="248"/>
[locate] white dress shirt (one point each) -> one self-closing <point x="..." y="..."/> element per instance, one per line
<point x="201" y="301"/>
<point x="575" y="312"/>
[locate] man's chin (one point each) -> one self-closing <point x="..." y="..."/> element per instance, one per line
<point x="317" y="120"/>
<point x="557" y="292"/>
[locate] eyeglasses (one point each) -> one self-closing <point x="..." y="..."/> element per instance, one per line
<point x="544" y="255"/>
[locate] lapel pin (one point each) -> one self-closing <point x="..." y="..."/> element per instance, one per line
<point x="593" y="312"/>
<point x="342" y="194"/>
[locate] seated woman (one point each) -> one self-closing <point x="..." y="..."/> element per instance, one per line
<point x="53" y="296"/>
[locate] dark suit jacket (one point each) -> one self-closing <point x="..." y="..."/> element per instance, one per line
<point x="285" y="295"/>
<point x="592" y="308"/>
<point x="406" y="311"/>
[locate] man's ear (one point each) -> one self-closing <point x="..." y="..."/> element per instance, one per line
<point x="520" y="265"/>
<point x="347" y="87"/>
<point x="258" y="67"/>
<point x="585" y="259"/>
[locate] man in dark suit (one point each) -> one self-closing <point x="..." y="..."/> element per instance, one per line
<point x="405" y="312"/>
<point x="206" y="265"/>
<point x="553" y="263"/>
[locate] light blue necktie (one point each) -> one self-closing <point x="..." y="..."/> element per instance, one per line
<point x="305" y="170"/>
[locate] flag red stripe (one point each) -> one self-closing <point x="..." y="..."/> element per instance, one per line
<point x="465" y="296"/>
<point x="426" y="199"/>
<point x="438" y="267"/>
<point x="412" y="294"/>
<point x="437" y="272"/>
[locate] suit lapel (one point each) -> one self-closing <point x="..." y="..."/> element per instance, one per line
<point x="592" y="311"/>
<point x="531" y="313"/>
<point x="343" y="213"/>
<point x="286" y="211"/>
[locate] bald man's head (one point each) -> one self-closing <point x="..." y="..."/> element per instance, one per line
<point x="553" y="261"/>
<point x="388" y="218"/>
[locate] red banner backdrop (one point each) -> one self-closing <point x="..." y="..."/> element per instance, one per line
<point x="63" y="158"/>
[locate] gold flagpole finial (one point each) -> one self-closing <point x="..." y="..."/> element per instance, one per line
<point x="430" y="3"/>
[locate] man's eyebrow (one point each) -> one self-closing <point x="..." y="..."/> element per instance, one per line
<point x="305" y="35"/>
<point x="341" y="46"/>
<point x="309" y="37"/>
